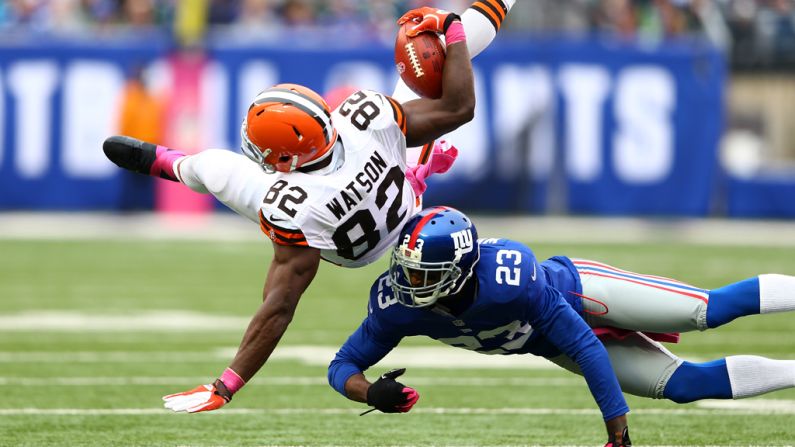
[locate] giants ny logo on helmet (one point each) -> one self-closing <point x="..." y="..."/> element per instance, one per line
<point x="462" y="241"/>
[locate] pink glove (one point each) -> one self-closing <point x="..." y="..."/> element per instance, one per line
<point x="412" y="396"/>
<point x="442" y="158"/>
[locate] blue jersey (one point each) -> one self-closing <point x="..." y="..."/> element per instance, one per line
<point x="520" y="306"/>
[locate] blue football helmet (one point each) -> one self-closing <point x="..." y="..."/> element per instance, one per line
<point x="435" y="255"/>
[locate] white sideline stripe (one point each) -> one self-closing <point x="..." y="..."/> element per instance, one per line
<point x="425" y="357"/>
<point x="782" y="405"/>
<point x="286" y="381"/>
<point x="544" y="229"/>
<point x="181" y="321"/>
<point x="160" y="321"/>
<point x="108" y="357"/>
<point x="354" y="411"/>
<point x="421" y="356"/>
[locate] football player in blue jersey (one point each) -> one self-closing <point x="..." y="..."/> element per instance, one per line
<point x="493" y="296"/>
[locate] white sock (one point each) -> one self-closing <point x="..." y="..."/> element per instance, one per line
<point x="776" y="293"/>
<point x="751" y="375"/>
<point x="479" y="23"/>
<point x="233" y="179"/>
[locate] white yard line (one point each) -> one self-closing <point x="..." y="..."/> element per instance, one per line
<point x="432" y="410"/>
<point x="440" y="356"/>
<point x="287" y="381"/>
<point x="773" y="405"/>
<point x="108" y="357"/>
<point x="144" y="321"/>
<point x="576" y="230"/>
<point x="184" y="321"/>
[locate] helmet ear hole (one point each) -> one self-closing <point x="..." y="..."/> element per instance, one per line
<point x="284" y="158"/>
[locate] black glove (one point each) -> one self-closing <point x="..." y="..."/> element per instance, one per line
<point x="386" y="394"/>
<point x="619" y="439"/>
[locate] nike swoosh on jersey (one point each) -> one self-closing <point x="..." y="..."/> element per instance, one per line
<point x="533" y="276"/>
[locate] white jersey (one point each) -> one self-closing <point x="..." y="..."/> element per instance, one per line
<point x="354" y="213"/>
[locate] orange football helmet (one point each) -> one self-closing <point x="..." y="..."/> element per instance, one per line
<point x="286" y="127"/>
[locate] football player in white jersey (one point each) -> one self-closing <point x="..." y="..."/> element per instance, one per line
<point x="323" y="185"/>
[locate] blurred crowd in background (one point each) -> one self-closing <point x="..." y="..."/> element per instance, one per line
<point x="755" y="34"/>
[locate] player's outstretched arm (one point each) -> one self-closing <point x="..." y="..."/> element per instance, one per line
<point x="292" y="270"/>
<point x="552" y="316"/>
<point x="428" y="119"/>
<point x="290" y="273"/>
<point x="365" y="347"/>
<point x="482" y="21"/>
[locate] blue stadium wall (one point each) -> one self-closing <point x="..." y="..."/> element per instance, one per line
<point x="584" y="127"/>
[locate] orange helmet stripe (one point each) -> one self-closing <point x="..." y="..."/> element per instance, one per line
<point x="320" y="105"/>
<point x="301" y="102"/>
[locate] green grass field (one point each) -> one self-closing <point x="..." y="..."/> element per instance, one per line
<point x="99" y="383"/>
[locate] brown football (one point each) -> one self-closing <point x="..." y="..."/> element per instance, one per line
<point x="420" y="61"/>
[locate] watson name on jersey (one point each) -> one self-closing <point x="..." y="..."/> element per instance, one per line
<point x="355" y="212"/>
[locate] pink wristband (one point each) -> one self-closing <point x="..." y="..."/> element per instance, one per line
<point x="455" y="33"/>
<point x="232" y="381"/>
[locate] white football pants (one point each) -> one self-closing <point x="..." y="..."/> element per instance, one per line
<point x="627" y="300"/>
